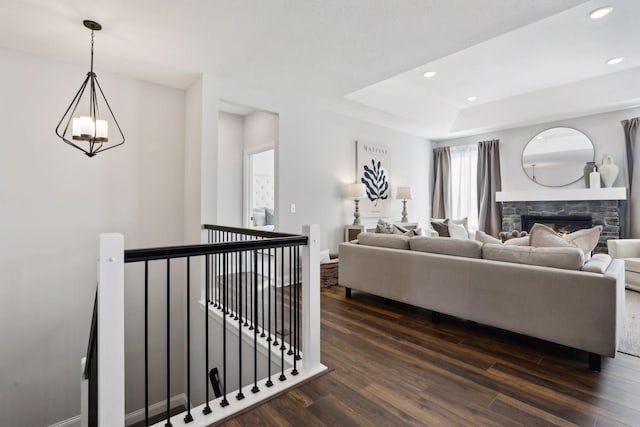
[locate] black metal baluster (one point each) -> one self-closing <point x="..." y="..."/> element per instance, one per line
<point x="246" y="283"/>
<point x="294" y="339"/>
<point x="275" y="297"/>
<point x="146" y="343"/>
<point x="282" y="347"/>
<point x="188" y="418"/>
<point x="207" y="409"/>
<point x="255" y="388"/>
<point x="269" y="382"/>
<point x="298" y="304"/>
<point x="236" y="278"/>
<point x="240" y="395"/>
<point x="262" y="335"/>
<point x="291" y="285"/>
<point x="251" y="300"/>
<point x="224" y="402"/>
<point x="168" y="423"/>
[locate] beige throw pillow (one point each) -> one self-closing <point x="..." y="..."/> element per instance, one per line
<point x="483" y="237"/>
<point x="518" y="241"/>
<point x="457" y="231"/>
<point x="587" y="239"/>
<point x="384" y="227"/>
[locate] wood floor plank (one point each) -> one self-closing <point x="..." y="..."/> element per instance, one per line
<point x="392" y="366"/>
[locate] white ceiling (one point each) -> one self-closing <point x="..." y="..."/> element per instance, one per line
<point x="525" y="60"/>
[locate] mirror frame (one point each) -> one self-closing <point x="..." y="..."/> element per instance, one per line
<point x="542" y="131"/>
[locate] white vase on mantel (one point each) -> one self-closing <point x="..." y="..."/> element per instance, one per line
<point x="608" y="171"/>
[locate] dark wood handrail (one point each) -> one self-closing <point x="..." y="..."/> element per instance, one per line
<point x="247" y="231"/>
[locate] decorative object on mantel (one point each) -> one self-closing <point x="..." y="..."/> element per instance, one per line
<point x="404" y="194"/>
<point x="588" y="168"/>
<point x="88" y="131"/>
<point x="594" y="179"/>
<point x="356" y="192"/>
<point x="608" y="170"/>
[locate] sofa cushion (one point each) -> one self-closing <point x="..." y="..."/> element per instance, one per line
<point x="483" y="237"/>
<point x="384" y="240"/>
<point x="632" y="264"/>
<point x="569" y="258"/>
<point x="597" y="264"/>
<point x="447" y="246"/>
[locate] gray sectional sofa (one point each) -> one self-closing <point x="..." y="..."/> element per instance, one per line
<point x="546" y="293"/>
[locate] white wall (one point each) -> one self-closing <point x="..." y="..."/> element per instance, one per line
<point x="604" y="130"/>
<point x="231" y="133"/>
<point x="54" y="203"/>
<point x="315" y="158"/>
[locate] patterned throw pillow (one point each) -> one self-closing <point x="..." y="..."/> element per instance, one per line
<point x="384" y="227"/>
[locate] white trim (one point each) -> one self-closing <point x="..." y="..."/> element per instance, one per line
<point x="156" y="408"/>
<point x="555" y="194"/>
<point x="69" y="422"/>
<point x="251" y="399"/>
<point x="111" y="330"/>
<point x="135" y="416"/>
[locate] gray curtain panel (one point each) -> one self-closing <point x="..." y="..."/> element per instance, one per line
<point x="442" y="183"/>
<point x="632" y="225"/>
<point x="489" y="181"/>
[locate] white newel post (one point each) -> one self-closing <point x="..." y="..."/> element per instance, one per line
<point x="111" y="330"/>
<point x="311" y="298"/>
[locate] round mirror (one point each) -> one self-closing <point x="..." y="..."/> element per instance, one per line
<point x="557" y="156"/>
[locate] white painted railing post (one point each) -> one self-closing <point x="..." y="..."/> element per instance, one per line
<point x="84" y="395"/>
<point x="111" y="331"/>
<point x="311" y="298"/>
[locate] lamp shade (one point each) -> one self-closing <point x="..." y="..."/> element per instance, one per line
<point x="356" y="191"/>
<point x="403" y="193"/>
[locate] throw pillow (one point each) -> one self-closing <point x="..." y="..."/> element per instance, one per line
<point x="398" y="231"/>
<point x="384" y="227"/>
<point x="543" y="236"/>
<point x="441" y="227"/>
<point x="586" y="239"/>
<point x="518" y="241"/>
<point x="457" y="231"/>
<point x="483" y="237"/>
<point x="324" y="256"/>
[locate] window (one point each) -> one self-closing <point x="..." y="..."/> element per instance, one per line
<point x="464" y="166"/>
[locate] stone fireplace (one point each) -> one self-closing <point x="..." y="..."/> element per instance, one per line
<point x="568" y="209"/>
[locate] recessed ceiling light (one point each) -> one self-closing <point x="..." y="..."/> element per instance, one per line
<point x="472" y="98"/>
<point x="616" y="60"/>
<point x="601" y="12"/>
<point x="429" y="74"/>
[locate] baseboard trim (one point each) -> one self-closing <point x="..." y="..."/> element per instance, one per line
<point x="135" y="416"/>
<point x="156" y="408"/>
<point x="69" y="422"/>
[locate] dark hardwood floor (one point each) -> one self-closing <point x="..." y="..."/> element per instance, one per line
<point x="392" y="367"/>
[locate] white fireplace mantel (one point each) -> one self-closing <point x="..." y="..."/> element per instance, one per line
<point x="562" y="194"/>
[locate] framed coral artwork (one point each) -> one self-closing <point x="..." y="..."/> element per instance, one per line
<point x="372" y="170"/>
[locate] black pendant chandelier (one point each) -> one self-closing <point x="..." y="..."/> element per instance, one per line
<point x="85" y="124"/>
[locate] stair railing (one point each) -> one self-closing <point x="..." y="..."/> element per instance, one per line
<point x="261" y="287"/>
